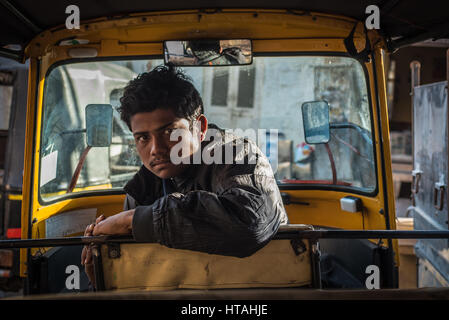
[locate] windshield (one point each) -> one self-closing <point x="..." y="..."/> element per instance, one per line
<point x="265" y="97"/>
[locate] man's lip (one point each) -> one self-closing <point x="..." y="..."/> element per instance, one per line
<point x="155" y="163"/>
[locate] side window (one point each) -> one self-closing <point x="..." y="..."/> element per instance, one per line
<point x="68" y="90"/>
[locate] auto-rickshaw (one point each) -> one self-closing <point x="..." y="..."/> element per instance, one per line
<point x="309" y="77"/>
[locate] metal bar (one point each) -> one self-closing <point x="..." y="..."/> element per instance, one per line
<point x="379" y="86"/>
<point x="315" y="257"/>
<point x="364" y="234"/>
<point x="53" y="242"/>
<point x="20" y="16"/>
<point x="290" y="233"/>
<point x="98" y="268"/>
<point x="439" y="31"/>
<point x="77" y="172"/>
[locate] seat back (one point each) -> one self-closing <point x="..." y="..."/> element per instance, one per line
<point x="156" y="267"/>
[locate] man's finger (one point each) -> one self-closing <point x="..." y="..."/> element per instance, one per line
<point x="89" y="269"/>
<point x="88" y="259"/>
<point x="100" y="218"/>
<point x="98" y="229"/>
<point x="83" y="255"/>
<point x="88" y="231"/>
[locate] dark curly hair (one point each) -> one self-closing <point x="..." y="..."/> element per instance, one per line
<point x="163" y="87"/>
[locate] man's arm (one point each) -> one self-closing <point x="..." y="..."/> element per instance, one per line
<point x="237" y="222"/>
<point x="237" y="219"/>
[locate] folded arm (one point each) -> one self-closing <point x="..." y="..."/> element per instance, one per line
<point x="237" y="222"/>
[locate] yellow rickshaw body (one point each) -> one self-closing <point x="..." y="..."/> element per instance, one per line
<point x="272" y="32"/>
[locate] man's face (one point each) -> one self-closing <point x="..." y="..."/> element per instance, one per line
<point x="152" y="131"/>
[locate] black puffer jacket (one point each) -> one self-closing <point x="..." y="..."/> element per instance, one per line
<point x="228" y="209"/>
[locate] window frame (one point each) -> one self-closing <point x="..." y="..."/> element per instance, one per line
<point x="282" y="186"/>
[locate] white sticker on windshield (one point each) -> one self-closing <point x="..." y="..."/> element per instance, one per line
<point x="48" y="167"/>
<point x="69" y="222"/>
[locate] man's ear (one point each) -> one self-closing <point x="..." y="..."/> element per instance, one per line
<point x="203" y="121"/>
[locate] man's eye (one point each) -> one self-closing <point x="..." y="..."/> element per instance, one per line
<point x="168" y="131"/>
<point x="142" y="139"/>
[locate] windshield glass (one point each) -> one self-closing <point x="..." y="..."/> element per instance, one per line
<point x="265" y="97"/>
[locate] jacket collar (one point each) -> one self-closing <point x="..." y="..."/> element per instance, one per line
<point x="143" y="185"/>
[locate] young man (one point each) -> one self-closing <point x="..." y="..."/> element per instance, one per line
<point x="225" y="207"/>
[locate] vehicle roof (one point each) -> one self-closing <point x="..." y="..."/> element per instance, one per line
<point x="405" y="21"/>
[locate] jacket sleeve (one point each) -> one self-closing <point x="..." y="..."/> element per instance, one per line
<point x="129" y="203"/>
<point x="236" y="222"/>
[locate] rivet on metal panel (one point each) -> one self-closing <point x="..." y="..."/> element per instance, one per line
<point x="113" y="250"/>
<point x="298" y="246"/>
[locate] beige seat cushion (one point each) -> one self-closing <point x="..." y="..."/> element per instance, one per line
<point x="156" y="267"/>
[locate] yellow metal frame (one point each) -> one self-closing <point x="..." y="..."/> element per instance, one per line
<point x="15" y="197"/>
<point x="142" y="35"/>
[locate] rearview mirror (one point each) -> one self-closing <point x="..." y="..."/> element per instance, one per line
<point x="208" y="52"/>
<point x="99" y="125"/>
<point x="315" y="118"/>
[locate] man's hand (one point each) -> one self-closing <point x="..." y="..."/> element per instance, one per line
<point x="121" y="223"/>
<point x="86" y="255"/>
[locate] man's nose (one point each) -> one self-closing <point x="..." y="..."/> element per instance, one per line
<point x="159" y="147"/>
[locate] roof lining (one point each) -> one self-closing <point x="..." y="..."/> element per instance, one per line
<point x="398" y="18"/>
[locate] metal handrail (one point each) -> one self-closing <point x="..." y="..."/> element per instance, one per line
<point x="285" y="232"/>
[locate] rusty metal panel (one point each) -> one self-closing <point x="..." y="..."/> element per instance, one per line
<point x="430" y="183"/>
